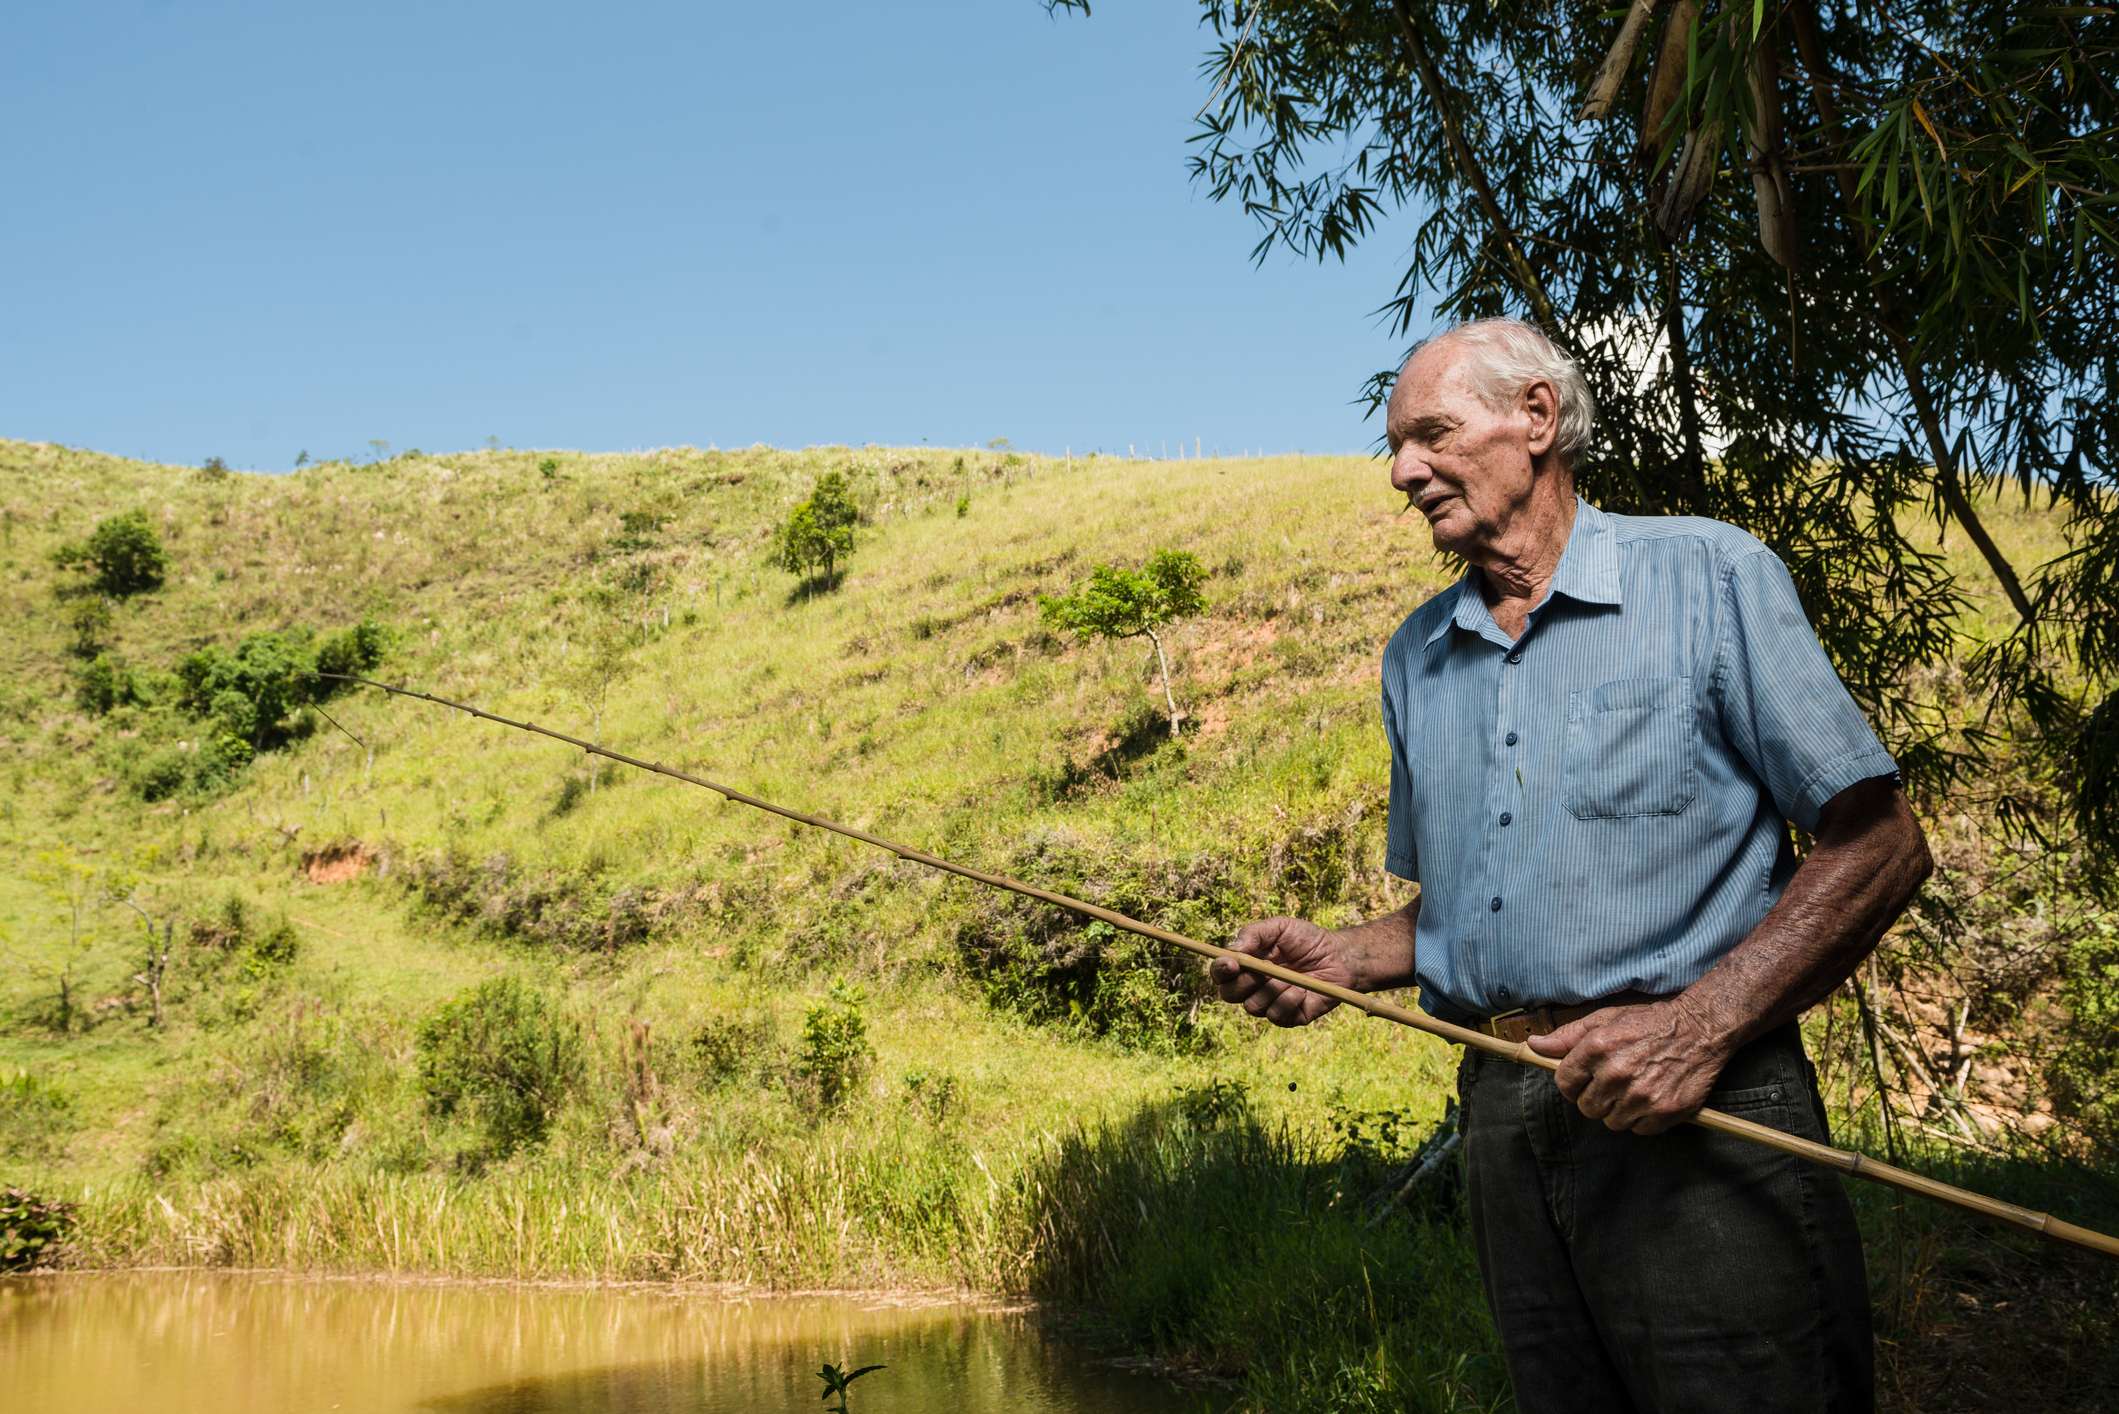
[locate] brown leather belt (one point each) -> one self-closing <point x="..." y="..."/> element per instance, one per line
<point x="1520" y="1025"/>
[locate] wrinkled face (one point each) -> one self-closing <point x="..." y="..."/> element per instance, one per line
<point x="1467" y="468"/>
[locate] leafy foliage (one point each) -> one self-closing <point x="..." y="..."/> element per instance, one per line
<point x="105" y="683"/>
<point x="2085" y="1073"/>
<point x="1903" y="280"/>
<point x="837" y="1381"/>
<point x="250" y="694"/>
<point x="819" y="531"/>
<point x="1123" y="603"/>
<point x="33" y="1230"/>
<point x="501" y="1055"/>
<point x="835" y="1054"/>
<point x="124" y="554"/>
<point x="35" y="1116"/>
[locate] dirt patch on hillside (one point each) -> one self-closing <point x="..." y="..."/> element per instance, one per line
<point x="337" y="862"/>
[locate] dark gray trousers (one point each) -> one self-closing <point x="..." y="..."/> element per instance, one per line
<point x="1679" y="1272"/>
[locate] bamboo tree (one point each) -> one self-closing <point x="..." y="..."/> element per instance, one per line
<point x="1907" y="298"/>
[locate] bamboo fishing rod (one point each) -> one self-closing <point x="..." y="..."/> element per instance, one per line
<point x="1847" y="1161"/>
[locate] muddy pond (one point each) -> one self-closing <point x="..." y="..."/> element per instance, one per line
<point x="207" y="1343"/>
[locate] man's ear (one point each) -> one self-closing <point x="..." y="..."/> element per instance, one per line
<point x="1542" y="402"/>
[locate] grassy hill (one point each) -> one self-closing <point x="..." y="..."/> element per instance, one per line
<point x="441" y="997"/>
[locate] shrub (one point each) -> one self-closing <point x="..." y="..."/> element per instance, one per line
<point x="353" y="650"/>
<point x="274" y="948"/>
<point x="105" y="683"/>
<point x="725" y="1046"/>
<point x="35" y="1117"/>
<point x="835" y="1054"/>
<point x="1046" y="966"/>
<point x="2084" y="1074"/>
<point x="500" y="1056"/>
<point x="124" y="553"/>
<point x="93" y="620"/>
<point x="934" y="1091"/>
<point x="250" y="694"/>
<point x="32" y="1230"/>
<point x="161" y="775"/>
<point x="173" y="770"/>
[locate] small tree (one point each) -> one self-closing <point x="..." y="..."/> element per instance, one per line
<point x="1121" y="603"/>
<point x="124" y="553"/>
<point x="70" y="885"/>
<point x="819" y="531"/>
<point x="606" y="660"/>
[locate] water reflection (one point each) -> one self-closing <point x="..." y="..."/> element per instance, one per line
<point x="193" y="1342"/>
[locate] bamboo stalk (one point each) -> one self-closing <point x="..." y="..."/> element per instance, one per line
<point x="1845" y="1160"/>
<point x="1811" y="50"/>
<point x="1604" y="88"/>
<point x="1690" y="182"/>
<point x="1474" y="172"/>
<point x="1666" y="80"/>
<point x="1769" y="157"/>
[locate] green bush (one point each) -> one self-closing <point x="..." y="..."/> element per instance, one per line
<point x="93" y="621"/>
<point x="124" y="553"/>
<point x="725" y="1046"/>
<point x="276" y="947"/>
<point x="353" y="650"/>
<point x="32" y="1230"/>
<point x="250" y="695"/>
<point x="1046" y="966"/>
<point x="35" y="1117"/>
<point x="835" y="1054"/>
<point x="105" y="683"/>
<point x="161" y="775"/>
<point x="174" y="770"/>
<point x="501" y="1057"/>
<point x="2084" y="1074"/>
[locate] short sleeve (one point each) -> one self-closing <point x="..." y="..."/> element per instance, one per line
<point x="1784" y="709"/>
<point x="1399" y="855"/>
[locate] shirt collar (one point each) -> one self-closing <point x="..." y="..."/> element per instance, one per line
<point x="1588" y="573"/>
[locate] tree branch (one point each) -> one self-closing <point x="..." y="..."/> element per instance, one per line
<point x="1473" y="172"/>
<point x="1947" y="486"/>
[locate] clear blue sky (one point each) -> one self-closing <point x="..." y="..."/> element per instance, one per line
<point x="251" y="230"/>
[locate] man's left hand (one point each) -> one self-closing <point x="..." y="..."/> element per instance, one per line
<point x="1643" y="1068"/>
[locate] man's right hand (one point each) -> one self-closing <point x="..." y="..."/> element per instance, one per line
<point x="1292" y="943"/>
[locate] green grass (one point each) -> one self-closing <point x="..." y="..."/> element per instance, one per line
<point x="1022" y="1125"/>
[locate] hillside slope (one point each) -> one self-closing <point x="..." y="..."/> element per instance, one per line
<point x="920" y="697"/>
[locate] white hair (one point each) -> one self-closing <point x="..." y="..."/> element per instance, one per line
<point x="1504" y="356"/>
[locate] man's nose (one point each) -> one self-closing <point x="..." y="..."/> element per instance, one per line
<point x="1409" y="469"/>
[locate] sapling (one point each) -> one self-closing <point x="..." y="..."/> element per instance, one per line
<point x="1123" y="603"/>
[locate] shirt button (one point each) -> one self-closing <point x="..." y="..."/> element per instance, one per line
<point x="1510" y="738"/>
<point x="1496" y="904"/>
<point x="1506" y="817"/>
<point x="1516" y="657"/>
<point x="1501" y="992"/>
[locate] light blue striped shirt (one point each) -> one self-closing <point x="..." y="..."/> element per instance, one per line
<point x="1603" y="803"/>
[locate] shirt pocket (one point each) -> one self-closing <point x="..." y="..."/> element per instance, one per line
<point x="1629" y="749"/>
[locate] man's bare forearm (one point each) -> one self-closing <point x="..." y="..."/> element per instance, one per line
<point x="1380" y="951"/>
<point x="1869" y="860"/>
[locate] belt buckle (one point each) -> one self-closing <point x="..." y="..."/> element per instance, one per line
<point x="1493" y="1023"/>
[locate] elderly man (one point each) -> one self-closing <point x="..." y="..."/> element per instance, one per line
<point x="1598" y="737"/>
